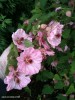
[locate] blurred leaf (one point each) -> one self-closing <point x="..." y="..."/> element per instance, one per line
<point x="61" y="97"/>
<point x="44" y="75"/>
<point x="71" y="89"/>
<point x="43" y="3"/>
<point x="28" y="43"/>
<point x="57" y="77"/>
<point x="27" y="89"/>
<point x="47" y="89"/>
<point x="73" y="35"/>
<point x="59" y="85"/>
<point x="66" y="33"/>
<point x="72" y="70"/>
<point x="13" y="54"/>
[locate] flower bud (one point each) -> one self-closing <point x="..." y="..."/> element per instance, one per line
<point x="68" y="13"/>
<point x="43" y="26"/>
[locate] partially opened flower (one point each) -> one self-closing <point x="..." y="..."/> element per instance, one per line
<point x="54" y="33"/>
<point x="16" y="80"/>
<point x="30" y="61"/>
<point x="45" y="52"/>
<point x="41" y="39"/>
<point x="58" y="9"/>
<point x="59" y="48"/>
<point x="18" y="38"/>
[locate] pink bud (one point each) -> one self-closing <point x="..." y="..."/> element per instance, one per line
<point x="26" y="22"/>
<point x="43" y="26"/>
<point x="68" y="13"/>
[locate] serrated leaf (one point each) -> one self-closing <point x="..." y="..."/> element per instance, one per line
<point x="28" y="43"/>
<point x="71" y="89"/>
<point x="47" y="89"/>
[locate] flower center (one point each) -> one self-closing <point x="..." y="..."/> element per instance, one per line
<point x="19" y="41"/>
<point x="16" y="79"/>
<point x="58" y="35"/>
<point x="28" y="60"/>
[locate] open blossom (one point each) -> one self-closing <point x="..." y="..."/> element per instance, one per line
<point x="18" y="38"/>
<point x="16" y="80"/>
<point x="54" y="33"/>
<point x="29" y="61"/>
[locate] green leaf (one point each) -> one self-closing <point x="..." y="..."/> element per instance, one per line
<point x="72" y="70"/>
<point x="34" y="30"/>
<point x="66" y="33"/>
<point x="13" y="54"/>
<point x="47" y="89"/>
<point x="64" y="1"/>
<point x="73" y="35"/>
<point x="28" y="43"/>
<point x="71" y="99"/>
<point x="43" y="3"/>
<point x="7" y="21"/>
<point x="71" y="89"/>
<point x="57" y="77"/>
<point x="61" y="97"/>
<point x="28" y="90"/>
<point x="63" y="59"/>
<point x="59" y="85"/>
<point x="44" y="75"/>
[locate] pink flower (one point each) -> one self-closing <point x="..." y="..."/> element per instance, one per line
<point x="45" y="52"/>
<point x="68" y="13"/>
<point x="43" y="26"/>
<point x="66" y="48"/>
<point x="57" y="9"/>
<point x="41" y="40"/>
<point x="54" y="33"/>
<point x="16" y="80"/>
<point x="18" y="38"/>
<point x="59" y="48"/>
<point x="30" y="61"/>
<point x="26" y="22"/>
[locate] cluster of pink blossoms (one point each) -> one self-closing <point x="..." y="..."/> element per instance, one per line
<point x="30" y="58"/>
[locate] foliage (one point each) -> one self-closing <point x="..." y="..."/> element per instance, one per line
<point x="11" y="12"/>
<point x="58" y="82"/>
